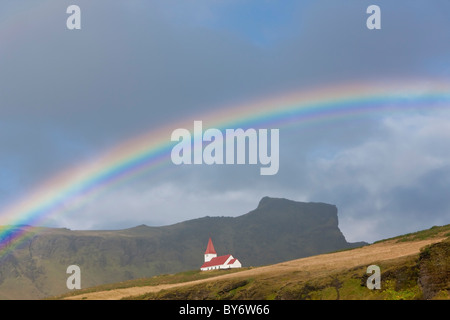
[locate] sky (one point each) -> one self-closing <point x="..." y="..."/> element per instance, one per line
<point x="67" y="96"/>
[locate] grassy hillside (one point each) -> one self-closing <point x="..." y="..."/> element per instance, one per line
<point x="402" y="279"/>
<point x="423" y="275"/>
<point x="180" y="277"/>
<point x="433" y="232"/>
<point x="277" y="230"/>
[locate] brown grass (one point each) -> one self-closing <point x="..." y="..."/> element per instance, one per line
<point x="310" y="267"/>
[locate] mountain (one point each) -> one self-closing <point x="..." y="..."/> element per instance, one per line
<point x="277" y="230"/>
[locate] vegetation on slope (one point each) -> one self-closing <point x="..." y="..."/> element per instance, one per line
<point x="153" y="281"/>
<point x="423" y="276"/>
<point x="433" y="232"/>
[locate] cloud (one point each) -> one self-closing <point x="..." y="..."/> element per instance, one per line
<point x="163" y="204"/>
<point x="387" y="175"/>
<point x="384" y="184"/>
<point x="68" y="96"/>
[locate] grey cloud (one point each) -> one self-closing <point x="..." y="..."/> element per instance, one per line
<point x="70" y="95"/>
<point x="427" y="200"/>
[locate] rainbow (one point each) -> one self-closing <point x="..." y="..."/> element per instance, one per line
<point x="67" y="191"/>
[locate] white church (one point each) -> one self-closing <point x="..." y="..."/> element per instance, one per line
<point x="212" y="261"/>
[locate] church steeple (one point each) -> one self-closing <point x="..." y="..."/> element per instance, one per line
<point x="210" y="251"/>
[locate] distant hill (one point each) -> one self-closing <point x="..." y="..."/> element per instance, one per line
<point x="277" y="230"/>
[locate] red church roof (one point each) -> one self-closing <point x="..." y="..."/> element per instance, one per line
<point x="210" y="248"/>
<point x="217" y="261"/>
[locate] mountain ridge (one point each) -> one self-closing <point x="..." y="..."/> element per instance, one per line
<point x="276" y="230"/>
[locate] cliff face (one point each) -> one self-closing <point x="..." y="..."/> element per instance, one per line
<point x="277" y="230"/>
<point x="282" y="230"/>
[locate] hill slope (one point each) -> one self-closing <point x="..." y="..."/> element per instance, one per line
<point x="415" y="266"/>
<point x="277" y="230"/>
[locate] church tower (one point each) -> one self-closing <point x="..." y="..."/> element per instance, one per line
<point x="210" y="251"/>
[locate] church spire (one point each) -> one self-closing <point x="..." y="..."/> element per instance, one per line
<point x="210" y="248"/>
<point x="210" y="251"/>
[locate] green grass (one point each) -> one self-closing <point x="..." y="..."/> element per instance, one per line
<point x="433" y="232"/>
